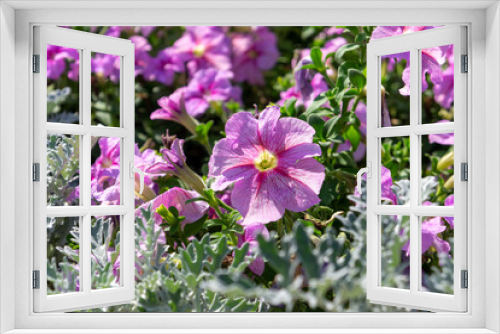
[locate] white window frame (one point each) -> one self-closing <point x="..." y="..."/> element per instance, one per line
<point x="414" y="296"/>
<point x="85" y="43"/>
<point x="482" y="315"/>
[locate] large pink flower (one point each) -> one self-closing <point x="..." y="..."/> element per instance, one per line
<point x="270" y="161"/>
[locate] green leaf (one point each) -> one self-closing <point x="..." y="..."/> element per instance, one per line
<point x="316" y="57"/>
<point x="357" y="78"/>
<point x="305" y="254"/>
<point x="317" y="123"/>
<point x="317" y="103"/>
<point x="330" y="130"/>
<point x="354" y="136"/>
<point x="195" y="227"/>
<point x="347" y="52"/>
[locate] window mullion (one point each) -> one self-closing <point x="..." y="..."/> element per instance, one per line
<point x="414" y="169"/>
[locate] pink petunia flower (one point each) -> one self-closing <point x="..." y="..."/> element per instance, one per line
<point x="444" y="91"/>
<point x="204" y="47"/>
<point x="207" y="86"/>
<point x="254" y="53"/>
<point x="430" y="229"/>
<point x="250" y="235"/>
<point x="106" y="66"/>
<point x="270" y="160"/>
<point x="143" y="161"/>
<point x="442" y="138"/>
<point x="164" y="66"/>
<point x="56" y="60"/>
<point x="432" y="58"/>
<point x="173" y="108"/>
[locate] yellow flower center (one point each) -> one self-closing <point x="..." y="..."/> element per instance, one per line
<point x="265" y="161"/>
<point x="199" y="50"/>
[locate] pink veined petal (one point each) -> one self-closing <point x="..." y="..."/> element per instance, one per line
<point x="306" y="173"/>
<point x="289" y="157"/>
<point x="251" y="197"/>
<point x="243" y="127"/>
<point x="229" y="154"/>
<point x="293" y="194"/>
<point x="271" y="135"/>
<point x="159" y="168"/>
<point x="220" y="183"/>
<point x="296" y="131"/>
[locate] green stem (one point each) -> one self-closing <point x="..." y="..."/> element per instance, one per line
<point x="355" y="105"/>
<point x="328" y="79"/>
<point x="224" y="205"/>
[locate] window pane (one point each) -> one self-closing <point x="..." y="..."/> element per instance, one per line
<point x="63" y="170"/>
<point x="438" y="169"/>
<point x="63" y="86"/>
<point x="437" y="254"/>
<point x="395" y="90"/>
<point x="105" y="252"/>
<point x="395" y="171"/>
<point x="105" y="103"/>
<point x="63" y="245"/>
<point x="394" y="251"/>
<point x="437" y="84"/>
<point x="105" y="171"/>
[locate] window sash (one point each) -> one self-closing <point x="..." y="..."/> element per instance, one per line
<point x="85" y="43"/>
<point x="414" y="298"/>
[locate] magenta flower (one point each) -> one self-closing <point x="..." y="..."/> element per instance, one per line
<point x="171" y="158"/>
<point x="143" y="161"/>
<point x="333" y="45"/>
<point x="250" y="236"/>
<point x="270" y="161"/>
<point x="164" y="66"/>
<point x="207" y="86"/>
<point x="105" y="173"/>
<point x="432" y="58"/>
<point x="430" y="229"/>
<point x="177" y="198"/>
<point x="110" y="152"/>
<point x="173" y="108"/>
<point x="444" y="91"/>
<point x="303" y="77"/>
<point x="56" y="60"/>
<point x="106" y="66"/>
<point x="442" y="138"/>
<point x="203" y="47"/>
<point x="254" y="53"/>
<point x="142" y="57"/>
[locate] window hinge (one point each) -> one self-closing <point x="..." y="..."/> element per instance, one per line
<point x="36" y="172"/>
<point x="36" y="63"/>
<point x="36" y="279"/>
<point x="464" y="171"/>
<point x="465" y="64"/>
<point x="465" y="279"/>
